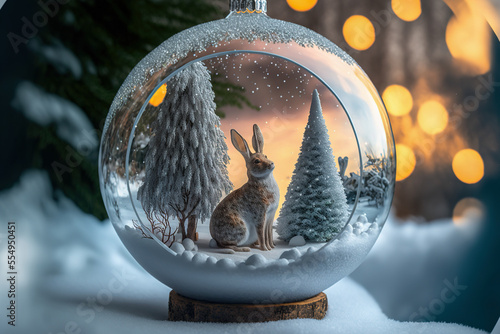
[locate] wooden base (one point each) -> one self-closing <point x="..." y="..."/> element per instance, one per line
<point x="185" y="309"/>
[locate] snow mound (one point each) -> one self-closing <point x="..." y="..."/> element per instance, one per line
<point x="297" y="240"/>
<point x="213" y="243"/>
<point x="292" y="254"/>
<point x="256" y="260"/>
<point x="362" y="219"/>
<point x="200" y="258"/>
<point x="189" y="245"/>
<point x="411" y="262"/>
<point x="176" y="246"/>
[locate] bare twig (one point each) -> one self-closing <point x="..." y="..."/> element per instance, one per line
<point x="159" y="225"/>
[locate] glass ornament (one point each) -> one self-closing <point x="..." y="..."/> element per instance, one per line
<point x="169" y="157"/>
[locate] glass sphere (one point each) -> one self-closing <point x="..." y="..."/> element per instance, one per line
<point x="248" y="160"/>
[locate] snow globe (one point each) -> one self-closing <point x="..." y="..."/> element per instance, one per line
<point x="248" y="160"/>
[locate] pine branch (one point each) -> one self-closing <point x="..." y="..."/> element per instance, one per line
<point x="108" y="38"/>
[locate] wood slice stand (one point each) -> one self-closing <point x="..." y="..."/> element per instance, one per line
<point x="185" y="309"/>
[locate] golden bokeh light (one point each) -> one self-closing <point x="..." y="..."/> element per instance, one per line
<point x="302" y="5"/>
<point x="398" y="100"/>
<point x="468" y="166"/>
<point x="488" y="8"/>
<point x="467" y="210"/>
<point x="468" y="37"/>
<point x="432" y="117"/>
<point x="158" y="96"/>
<point x="405" y="161"/>
<point x="407" y="10"/>
<point x="359" y="32"/>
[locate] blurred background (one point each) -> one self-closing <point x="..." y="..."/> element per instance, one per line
<point x="435" y="64"/>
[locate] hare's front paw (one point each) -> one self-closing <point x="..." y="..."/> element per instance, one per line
<point x="263" y="247"/>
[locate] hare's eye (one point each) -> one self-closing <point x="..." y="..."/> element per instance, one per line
<point x="256" y="161"/>
<point x="266" y="156"/>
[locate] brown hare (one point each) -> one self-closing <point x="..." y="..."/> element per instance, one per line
<point x="245" y="217"/>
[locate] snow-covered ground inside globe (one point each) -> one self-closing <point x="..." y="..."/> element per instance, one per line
<point x="74" y="275"/>
<point x="203" y="244"/>
<point x="281" y="246"/>
<point x="364" y="208"/>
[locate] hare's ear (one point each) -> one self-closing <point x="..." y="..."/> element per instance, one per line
<point x="240" y="143"/>
<point x="257" y="139"/>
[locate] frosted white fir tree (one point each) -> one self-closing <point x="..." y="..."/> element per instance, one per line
<point x="186" y="172"/>
<point x="315" y="204"/>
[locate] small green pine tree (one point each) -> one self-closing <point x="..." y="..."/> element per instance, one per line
<point x="315" y="205"/>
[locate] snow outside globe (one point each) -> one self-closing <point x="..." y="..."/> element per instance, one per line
<point x="248" y="160"/>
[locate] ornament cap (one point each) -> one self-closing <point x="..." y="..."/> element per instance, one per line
<point x="248" y="6"/>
